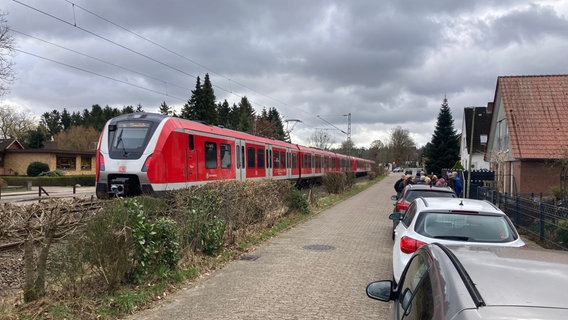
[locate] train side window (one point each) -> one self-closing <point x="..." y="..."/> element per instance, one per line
<point x="190" y="142"/>
<point x="260" y="157"/>
<point x="225" y="155"/>
<point x="250" y="157"/>
<point x="294" y="160"/>
<point x="288" y="160"/>
<point x="275" y="158"/>
<point x="210" y="155"/>
<point x="282" y="159"/>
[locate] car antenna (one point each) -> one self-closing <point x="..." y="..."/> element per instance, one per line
<point x="461" y="203"/>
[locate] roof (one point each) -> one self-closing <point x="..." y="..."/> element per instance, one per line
<point x="9" y="144"/>
<point x="517" y="276"/>
<point x="448" y="204"/>
<point x="536" y="109"/>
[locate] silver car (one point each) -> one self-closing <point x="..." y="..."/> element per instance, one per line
<point x="479" y="282"/>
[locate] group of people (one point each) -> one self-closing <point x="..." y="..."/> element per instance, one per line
<point x="451" y="180"/>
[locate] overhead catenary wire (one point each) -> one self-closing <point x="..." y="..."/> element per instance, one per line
<point x="76" y="25"/>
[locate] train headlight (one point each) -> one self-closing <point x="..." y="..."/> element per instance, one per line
<point x="146" y="164"/>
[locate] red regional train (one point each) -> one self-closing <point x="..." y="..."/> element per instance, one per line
<point x="148" y="153"/>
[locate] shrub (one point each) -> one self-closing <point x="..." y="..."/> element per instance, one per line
<point x="296" y="200"/>
<point x="334" y="182"/>
<point x="54" y="173"/>
<point x="36" y="168"/>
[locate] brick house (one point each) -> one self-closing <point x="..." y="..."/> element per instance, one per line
<point x="14" y="159"/>
<point x="528" y="136"/>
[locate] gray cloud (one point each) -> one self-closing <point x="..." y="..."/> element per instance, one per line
<point x="388" y="63"/>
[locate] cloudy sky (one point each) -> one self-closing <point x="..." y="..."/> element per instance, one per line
<point x="388" y="63"/>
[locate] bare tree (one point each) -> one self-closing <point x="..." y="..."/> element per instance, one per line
<point x="401" y="145"/>
<point x="77" y="138"/>
<point x="6" y="52"/>
<point x="15" y="124"/>
<point x="321" y="140"/>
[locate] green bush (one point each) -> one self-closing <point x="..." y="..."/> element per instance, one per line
<point x="54" y="173"/>
<point x="296" y="200"/>
<point x="36" y="168"/>
<point x="61" y="181"/>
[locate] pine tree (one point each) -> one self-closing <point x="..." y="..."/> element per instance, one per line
<point x="443" y="150"/>
<point x="208" y="111"/>
<point x="246" y="116"/>
<point x="224" y="111"/>
<point x="189" y="110"/>
<point x="274" y="118"/>
<point x="165" y="109"/>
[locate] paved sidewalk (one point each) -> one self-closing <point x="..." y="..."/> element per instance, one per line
<point x="317" y="270"/>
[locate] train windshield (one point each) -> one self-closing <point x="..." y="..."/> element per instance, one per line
<point x="128" y="137"/>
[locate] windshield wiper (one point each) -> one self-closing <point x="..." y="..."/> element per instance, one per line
<point x="120" y="141"/>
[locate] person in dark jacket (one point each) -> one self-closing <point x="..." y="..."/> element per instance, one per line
<point x="399" y="185"/>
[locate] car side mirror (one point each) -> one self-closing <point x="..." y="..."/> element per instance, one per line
<point x="381" y="290"/>
<point x="396" y="216"/>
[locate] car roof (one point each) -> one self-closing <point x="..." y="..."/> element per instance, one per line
<point x="456" y="204"/>
<point x="419" y="186"/>
<point x="514" y="277"/>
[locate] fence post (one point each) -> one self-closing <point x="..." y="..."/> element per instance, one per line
<point x="541" y="214"/>
<point x="517" y="209"/>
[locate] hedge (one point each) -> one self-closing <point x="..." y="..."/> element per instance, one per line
<point x="63" y="181"/>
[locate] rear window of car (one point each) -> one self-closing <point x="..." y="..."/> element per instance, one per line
<point x="411" y="195"/>
<point x="465" y="227"/>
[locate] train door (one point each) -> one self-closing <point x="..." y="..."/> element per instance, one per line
<point x="288" y="163"/>
<point x="240" y="160"/>
<point x="190" y="160"/>
<point x="268" y="161"/>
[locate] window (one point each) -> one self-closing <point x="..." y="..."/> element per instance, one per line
<point x="250" y="157"/>
<point x="130" y="135"/>
<point x="210" y="155"/>
<point x="65" y="163"/>
<point x="409" y="215"/>
<point x="260" y="154"/>
<point x="226" y="160"/>
<point x="294" y="160"/>
<point x="282" y="159"/>
<point x="85" y="163"/>
<point x="276" y="158"/>
<point x="416" y="296"/>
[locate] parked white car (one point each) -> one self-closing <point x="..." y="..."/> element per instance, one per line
<point x="449" y="221"/>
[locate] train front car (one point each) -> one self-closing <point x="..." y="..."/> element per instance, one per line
<point x="125" y="145"/>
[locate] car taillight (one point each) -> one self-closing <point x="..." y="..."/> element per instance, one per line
<point x="402" y="205"/>
<point x="409" y="245"/>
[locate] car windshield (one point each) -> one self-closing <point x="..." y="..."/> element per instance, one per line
<point x="428" y="194"/>
<point x="465" y="227"/>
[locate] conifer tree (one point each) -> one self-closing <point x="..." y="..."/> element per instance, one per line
<point x="165" y="109"/>
<point x="443" y="150"/>
<point x="189" y="110"/>
<point x="274" y="118"/>
<point x="246" y="116"/>
<point x="208" y="109"/>
<point x="224" y="111"/>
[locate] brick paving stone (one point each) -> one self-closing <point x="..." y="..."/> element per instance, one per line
<point x="287" y="279"/>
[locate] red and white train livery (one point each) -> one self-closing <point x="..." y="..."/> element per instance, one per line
<point x="148" y="153"/>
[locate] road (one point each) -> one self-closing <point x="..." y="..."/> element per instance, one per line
<point x="23" y="197"/>
<point x="317" y="270"/>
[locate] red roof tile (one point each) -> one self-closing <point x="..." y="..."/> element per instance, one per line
<point x="536" y="108"/>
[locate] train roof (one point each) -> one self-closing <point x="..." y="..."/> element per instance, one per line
<point x="217" y="130"/>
